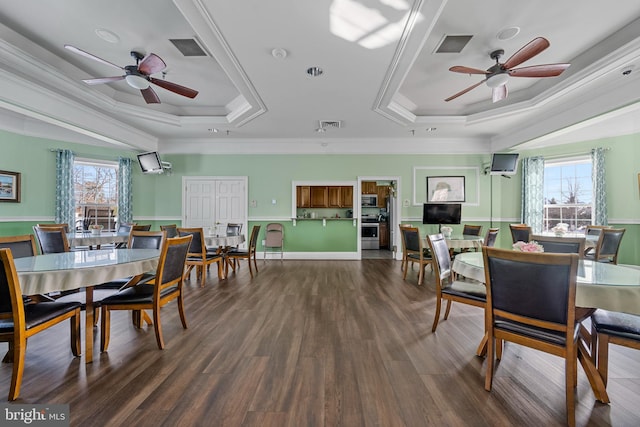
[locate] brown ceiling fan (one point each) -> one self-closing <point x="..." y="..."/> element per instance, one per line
<point x="498" y="74"/>
<point x="138" y="76"/>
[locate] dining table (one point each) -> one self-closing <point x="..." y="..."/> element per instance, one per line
<point x="600" y="285"/>
<point x="87" y="238"/>
<point x="222" y="244"/>
<point x="57" y="272"/>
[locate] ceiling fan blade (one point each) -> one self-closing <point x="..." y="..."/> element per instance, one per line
<point x="91" y="56"/>
<point x="100" y="80"/>
<point x="151" y="63"/>
<point x="175" y="88"/>
<point x="527" y="52"/>
<point x="462" y="92"/>
<point x="547" y="70"/>
<point x="499" y="93"/>
<point x="150" y="96"/>
<point x="467" y="70"/>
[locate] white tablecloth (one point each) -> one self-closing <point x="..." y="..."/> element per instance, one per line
<point x="222" y="241"/>
<point x="88" y="239"/>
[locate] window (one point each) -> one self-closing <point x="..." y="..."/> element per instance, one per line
<point x="568" y="194"/>
<point x="95" y="187"/>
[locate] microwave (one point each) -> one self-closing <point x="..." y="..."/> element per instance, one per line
<point x="369" y="200"/>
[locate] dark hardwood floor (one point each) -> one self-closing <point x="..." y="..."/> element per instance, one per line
<point x="313" y="343"/>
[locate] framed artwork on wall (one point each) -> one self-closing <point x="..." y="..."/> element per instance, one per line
<point x="445" y="189"/>
<point x="9" y="186"/>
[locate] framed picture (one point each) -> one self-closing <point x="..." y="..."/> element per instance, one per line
<point x="9" y="186"/>
<point x="445" y="189"/>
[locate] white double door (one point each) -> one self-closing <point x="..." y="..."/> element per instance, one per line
<point x="214" y="201"/>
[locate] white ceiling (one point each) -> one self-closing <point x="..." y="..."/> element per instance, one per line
<point x="382" y="78"/>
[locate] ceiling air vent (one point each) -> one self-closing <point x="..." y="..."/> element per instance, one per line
<point x="188" y="47"/>
<point x="333" y="124"/>
<point x="453" y="44"/>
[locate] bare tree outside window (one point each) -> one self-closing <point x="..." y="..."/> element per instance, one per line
<point x="95" y="186"/>
<point x="568" y="195"/>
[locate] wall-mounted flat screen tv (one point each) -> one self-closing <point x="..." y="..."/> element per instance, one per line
<point x="441" y="213"/>
<point x="504" y="163"/>
<point x="150" y="162"/>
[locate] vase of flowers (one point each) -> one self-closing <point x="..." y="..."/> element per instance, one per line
<point x="95" y="229"/>
<point x="531" y="246"/>
<point x="446" y="231"/>
<point x="560" y="229"/>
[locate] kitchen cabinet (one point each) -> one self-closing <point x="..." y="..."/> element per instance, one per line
<point x="383" y="193"/>
<point x="319" y="196"/>
<point x="384" y="235"/>
<point x="335" y="199"/>
<point x="303" y="196"/>
<point x="346" y="197"/>
<point x="369" y="187"/>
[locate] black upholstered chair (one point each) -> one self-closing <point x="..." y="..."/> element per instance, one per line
<point x="170" y="229"/>
<point x="531" y="302"/>
<point x="166" y="287"/>
<point x="198" y="256"/>
<point x="561" y="245"/>
<point x="19" y="321"/>
<point x="465" y="292"/>
<point x="608" y="245"/>
<point x="414" y="252"/>
<point x="472" y="230"/>
<point x="249" y="253"/>
<point x="520" y="232"/>
<point x="234" y="229"/>
<point x="609" y="327"/>
<point x="21" y="246"/>
<point x="491" y="236"/>
<point x="51" y="239"/>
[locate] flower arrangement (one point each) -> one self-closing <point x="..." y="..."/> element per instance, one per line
<point x="95" y="228"/>
<point x="531" y="246"/>
<point x="560" y="229"/>
<point x="446" y="231"/>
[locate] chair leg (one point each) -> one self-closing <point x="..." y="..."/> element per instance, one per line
<point x="448" y="310"/>
<point x="570" y="374"/>
<point x="183" y="317"/>
<point x="255" y="262"/>
<point x="421" y="274"/>
<point x="19" y="352"/>
<point x="157" y="326"/>
<point x="404" y="274"/>
<point x="488" y="379"/>
<point x="436" y="318"/>
<point x="603" y="356"/>
<point x="105" y="329"/>
<point x="250" y="270"/>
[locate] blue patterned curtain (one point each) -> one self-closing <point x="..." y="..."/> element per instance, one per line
<point x="125" y="198"/>
<point x="533" y="192"/>
<point x="599" y="186"/>
<point x="65" y="199"/>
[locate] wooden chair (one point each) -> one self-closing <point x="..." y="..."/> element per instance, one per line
<point x="593" y="230"/>
<point x="405" y="260"/>
<point x="491" y="236"/>
<point x="414" y="251"/>
<point x="249" y="253"/>
<point x="608" y="327"/>
<point x="608" y="245"/>
<point x="166" y="287"/>
<point x="472" y="230"/>
<point x="63" y="225"/>
<point x="21" y="246"/>
<point x="51" y="239"/>
<point x="561" y="245"/>
<point x="19" y="321"/>
<point x="198" y="256"/>
<point x="465" y="292"/>
<point x="170" y="229"/>
<point x="520" y="232"/>
<point x="531" y="302"/>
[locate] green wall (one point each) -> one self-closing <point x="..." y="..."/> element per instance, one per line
<point x="157" y="198"/>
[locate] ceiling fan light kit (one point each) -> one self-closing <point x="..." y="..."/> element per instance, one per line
<point x="136" y="82"/>
<point x="497" y="80"/>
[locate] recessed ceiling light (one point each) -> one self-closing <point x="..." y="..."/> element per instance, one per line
<point x="508" y="33"/>
<point x="431" y="129"/>
<point x="108" y="36"/>
<point x="213" y="130"/>
<point x="314" y="71"/>
<point x="279" y="53"/>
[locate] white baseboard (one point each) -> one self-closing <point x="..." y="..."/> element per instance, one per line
<point x="311" y="255"/>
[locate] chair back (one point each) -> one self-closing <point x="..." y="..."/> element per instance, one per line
<point x="440" y="254"/>
<point x="472" y="230"/>
<point x="52" y="240"/>
<point x="412" y="241"/>
<point x="531" y="293"/>
<point x="520" y="232"/>
<point x="490" y="238"/>
<point x="141" y="227"/>
<point x="198" y="247"/>
<point x="274" y="235"/>
<point x="171" y="265"/>
<point x="171" y="230"/>
<point x="63" y="225"/>
<point x="11" y="305"/>
<point x="125" y="228"/>
<point x="145" y="239"/>
<point x="234" y="229"/>
<point x="594" y="230"/>
<point x="609" y="244"/>
<point x="253" y="240"/>
<point x="21" y="246"/>
<point x="561" y="245"/>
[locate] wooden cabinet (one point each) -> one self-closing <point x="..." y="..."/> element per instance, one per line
<point x="303" y="196"/>
<point x="335" y="199"/>
<point x="369" y="187"/>
<point x="346" y="197"/>
<point x="383" y="193"/>
<point x="319" y="197"/>
<point x="384" y="235"/>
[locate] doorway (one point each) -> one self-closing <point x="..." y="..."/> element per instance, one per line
<point x="385" y="216"/>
